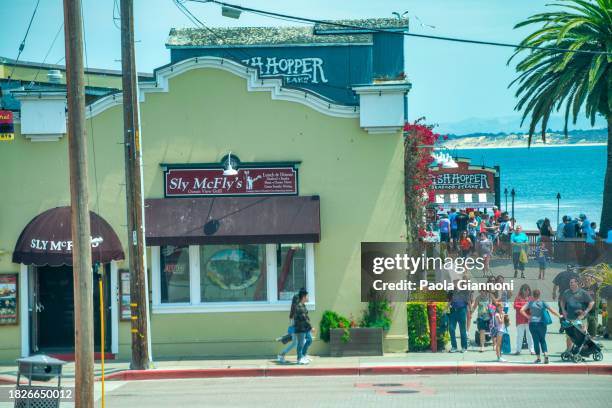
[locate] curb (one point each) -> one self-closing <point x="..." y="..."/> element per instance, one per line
<point x="7" y="380"/>
<point x="167" y="374"/>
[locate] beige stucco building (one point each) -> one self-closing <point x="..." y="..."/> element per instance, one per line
<point x="223" y="261"/>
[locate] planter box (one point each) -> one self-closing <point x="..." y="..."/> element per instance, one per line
<point x="364" y="341"/>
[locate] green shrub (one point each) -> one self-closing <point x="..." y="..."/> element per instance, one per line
<point x="377" y="314"/>
<point x="442" y="320"/>
<point x="332" y="320"/>
<point x="418" y="326"/>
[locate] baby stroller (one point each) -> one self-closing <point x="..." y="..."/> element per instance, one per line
<point x="584" y="346"/>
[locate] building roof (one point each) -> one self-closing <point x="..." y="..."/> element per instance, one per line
<point x="8" y="91"/>
<point x="40" y="65"/>
<point x="389" y="24"/>
<point x="252" y="36"/>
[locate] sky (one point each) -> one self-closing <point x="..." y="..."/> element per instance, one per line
<point x="458" y="86"/>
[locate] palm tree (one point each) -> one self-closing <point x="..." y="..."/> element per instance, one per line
<point x="569" y="67"/>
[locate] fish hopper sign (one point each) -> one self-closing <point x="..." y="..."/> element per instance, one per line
<point x="466" y="185"/>
<point x="47" y="240"/>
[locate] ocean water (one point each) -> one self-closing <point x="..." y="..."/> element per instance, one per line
<point x="538" y="174"/>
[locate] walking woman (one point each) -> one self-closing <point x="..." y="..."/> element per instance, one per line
<point x="303" y="328"/>
<point x="484" y="248"/>
<point x="290" y="330"/>
<point x="546" y="233"/>
<point x="538" y="321"/>
<point x="522" y="323"/>
<point x="481" y="303"/>
<point x="520" y="246"/>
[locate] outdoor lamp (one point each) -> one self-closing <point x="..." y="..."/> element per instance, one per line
<point x="229" y="169"/>
<point x="230" y="12"/>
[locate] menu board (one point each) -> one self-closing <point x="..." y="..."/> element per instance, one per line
<point x="124" y="295"/>
<point x="8" y="299"/>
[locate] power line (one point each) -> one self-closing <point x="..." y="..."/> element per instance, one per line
<point x="407" y="34"/>
<point x="116" y="15"/>
<point x="59" y="30"/>
<point x="23" y="42"/>
<point x="91" y="130"/>
<point x="196" y="21"/>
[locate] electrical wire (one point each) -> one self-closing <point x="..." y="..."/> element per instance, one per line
<point x="116" y="15"/>
<point x="91" y="132"/>
<point x="407" y="34"/>
<point x="196" y="21"/>
<point x="21" y="47"/>
<point x="23" y="42"/>
<point x="59" y="30"/>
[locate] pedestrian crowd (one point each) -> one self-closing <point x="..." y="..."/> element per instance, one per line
<point x="471" y="232"/>
<point x="532" y="316"/>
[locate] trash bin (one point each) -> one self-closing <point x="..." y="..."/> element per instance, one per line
<point x="39" y="368"/>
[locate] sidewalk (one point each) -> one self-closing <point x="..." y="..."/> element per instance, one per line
<point x="472" y="362"/>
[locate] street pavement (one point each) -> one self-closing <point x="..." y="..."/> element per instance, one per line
<point x="360" y="389"/>
<point x="555" y="340"/>
<point x="445" y="391"/>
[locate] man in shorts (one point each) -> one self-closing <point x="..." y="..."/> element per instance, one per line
<point x="576" y="304"/>
<point x="444" y="226"/>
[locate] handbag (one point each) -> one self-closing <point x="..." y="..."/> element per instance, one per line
<point x="505" y="346"/>
<point x="286" y="338"/>
<point x="523" y="257"/>
<point x="546" y="316"/>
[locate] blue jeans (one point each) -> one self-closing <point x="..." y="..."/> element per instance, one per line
<point x="516" y="260"/>
<point x="538" y="332"/>
<point x="304" y="340"/>
<point x="458" y="315"/>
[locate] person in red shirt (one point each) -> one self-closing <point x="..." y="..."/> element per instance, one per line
<point x="522" y="323"/>
<point x="496" y="213"/>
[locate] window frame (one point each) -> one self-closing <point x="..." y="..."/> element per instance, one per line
<point x="197" y="306"/>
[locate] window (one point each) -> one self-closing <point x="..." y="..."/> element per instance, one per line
<point x="232" y="277"/>
<point x="291" y="269"/>
<point x="174" y="268"/>
<point x="233" y="273"/>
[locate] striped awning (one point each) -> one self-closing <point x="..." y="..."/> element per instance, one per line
<point x="478" y="200"/>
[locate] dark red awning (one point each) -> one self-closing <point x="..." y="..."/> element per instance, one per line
<point x="232" y="220"/>
<point x="47" y="240"/>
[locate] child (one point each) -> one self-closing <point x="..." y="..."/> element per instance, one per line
<point x="465" y="244"/>
<point x="498" y="329"/>
<point x="541" y="254"/>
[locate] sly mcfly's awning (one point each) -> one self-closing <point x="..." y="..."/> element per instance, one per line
<point x="232" y="220"/>
<point x="47" y="240"/>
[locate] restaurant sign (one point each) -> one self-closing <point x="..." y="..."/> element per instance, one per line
<point x="455" y="181"/>
<point x="464" y="179"/>
<point x="7" y="131"/>
<point x="248" y="180"/>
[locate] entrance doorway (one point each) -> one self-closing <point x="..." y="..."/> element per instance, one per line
<point x="53" y="310"/>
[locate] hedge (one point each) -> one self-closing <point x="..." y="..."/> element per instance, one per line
<point x="418" y="326"/>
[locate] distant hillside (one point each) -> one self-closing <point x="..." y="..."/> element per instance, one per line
<point x="511" y="124"/>
<point x="502" y="139"/>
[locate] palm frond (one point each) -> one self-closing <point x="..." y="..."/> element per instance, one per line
<point x="549" y="79"/>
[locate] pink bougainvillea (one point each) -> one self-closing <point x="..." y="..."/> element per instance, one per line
<point x="419" y="142"/>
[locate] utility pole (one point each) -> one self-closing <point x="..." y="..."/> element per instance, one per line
<point x="79" y="199"/>
<point x="133" y="189"/>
